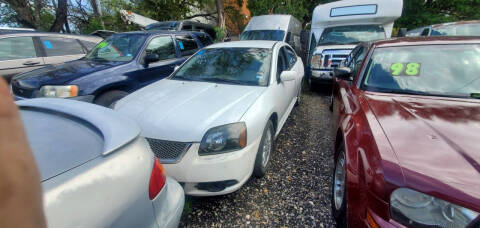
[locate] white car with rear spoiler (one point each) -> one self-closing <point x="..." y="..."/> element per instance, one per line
<point x="96" y="169"/>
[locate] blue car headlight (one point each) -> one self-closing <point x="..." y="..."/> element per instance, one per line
<point x="225" y="138"/>
<point x="60" y="91"/>
<point x="416" y="209"/>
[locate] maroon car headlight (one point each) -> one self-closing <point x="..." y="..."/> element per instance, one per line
<point x="416" y="209"/>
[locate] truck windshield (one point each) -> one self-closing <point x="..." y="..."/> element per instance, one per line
<point x="351" y="34"/>
<point x="435" y="70"/>
<point x="121" y="48"/>
<point x="239" y="66"/>
<point x="276" y="35"/>
<point x="457" y="30"/>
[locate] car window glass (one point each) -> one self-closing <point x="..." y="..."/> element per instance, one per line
<point x="349" y="61"/>
<point x="17" y="48"/>
<point x="358" y="59"/>
<point x="163" y="47"/>
<point x="89" y="45"/>
<point x="291" y="57"/>
<point x="425" y="32"/>
<point x="56" y="46"/>
<point x="281" y="65"/>
<point x="187" y="45"/>
<point x="187" y="27"/>
<point x="205" y="40"/>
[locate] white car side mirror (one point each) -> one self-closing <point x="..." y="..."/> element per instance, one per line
<point x="288" y="75"/>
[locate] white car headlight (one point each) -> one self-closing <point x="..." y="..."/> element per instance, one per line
<point x="415" y="209"/>
<point x="58" y="91"/>
<point x="225" y="138"/>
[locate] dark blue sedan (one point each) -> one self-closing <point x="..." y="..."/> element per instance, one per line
<point x="116" y="67"/>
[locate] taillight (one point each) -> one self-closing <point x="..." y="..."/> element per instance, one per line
<point x="316" y="61"/>
<point x="157" y="179"/>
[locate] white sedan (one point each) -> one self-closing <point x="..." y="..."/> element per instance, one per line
<point x="213" y="122"/>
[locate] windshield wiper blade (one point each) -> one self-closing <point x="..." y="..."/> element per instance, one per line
<point x="99" y="59"/>
<point x="224" y="81"/>
<point x="421" y="93"/>
<point x="179" y="77"/>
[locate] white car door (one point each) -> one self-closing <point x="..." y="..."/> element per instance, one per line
<point x="284" y="90"/>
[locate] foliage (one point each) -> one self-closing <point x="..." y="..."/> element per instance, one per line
<point x="418" y="13"/>
<point x="300" y="9"/>
<point x="220" y="32"/>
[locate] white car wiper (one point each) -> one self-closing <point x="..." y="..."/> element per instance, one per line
<point x="229" y="81"/>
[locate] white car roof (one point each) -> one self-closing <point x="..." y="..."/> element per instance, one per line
<point x="245" y="44"/>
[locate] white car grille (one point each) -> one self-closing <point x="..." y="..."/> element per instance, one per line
<point x="168" y="151"/>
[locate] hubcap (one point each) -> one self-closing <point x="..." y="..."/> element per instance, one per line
<point x="267" y="148"/>
<point x="339" y="181"/>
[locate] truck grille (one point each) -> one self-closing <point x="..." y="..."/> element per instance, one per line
<point x="333" y="60"/>
<point x="168" y="151"/>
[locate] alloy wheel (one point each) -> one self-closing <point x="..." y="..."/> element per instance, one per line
<point x="339" y="181"/>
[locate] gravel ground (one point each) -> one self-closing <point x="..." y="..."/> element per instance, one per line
<point x="296" y="189"/>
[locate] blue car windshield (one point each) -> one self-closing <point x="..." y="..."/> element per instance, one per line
<point x="240" y="66"/>
<point x="435" y="70"/>
<point x="276" y="35"/>
<point x="120" y="48"/>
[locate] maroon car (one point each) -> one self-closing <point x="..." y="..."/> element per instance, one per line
<point x="407" y="127"/>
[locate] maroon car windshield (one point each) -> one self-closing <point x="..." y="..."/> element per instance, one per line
<point x="437" y="70"/>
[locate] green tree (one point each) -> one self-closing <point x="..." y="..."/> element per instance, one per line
<point x="418" y="13"/>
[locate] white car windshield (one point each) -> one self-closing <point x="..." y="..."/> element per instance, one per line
<point x="245" y="66"/>
<point x="435" y="70"/>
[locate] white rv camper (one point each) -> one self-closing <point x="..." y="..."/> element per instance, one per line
<point x="338" y="26"/>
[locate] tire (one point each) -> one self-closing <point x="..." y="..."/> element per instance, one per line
<point x="299" y="94"/>
<point x="339" y="203"/>
<point x="313" y="86"/>
<point x="108" y="99"/>
<point x="267" y="142"/>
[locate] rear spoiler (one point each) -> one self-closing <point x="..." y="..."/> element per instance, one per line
<point x="116" y="129"/>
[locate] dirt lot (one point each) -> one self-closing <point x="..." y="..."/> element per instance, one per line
<point x="296" y="188"/>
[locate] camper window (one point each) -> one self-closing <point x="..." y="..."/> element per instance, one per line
<point x="353" y="10"/>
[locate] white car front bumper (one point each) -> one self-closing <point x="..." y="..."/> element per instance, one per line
<point x="213" y="174"/>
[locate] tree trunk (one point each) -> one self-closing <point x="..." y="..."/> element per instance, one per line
<point x="221" y="19"/>
<point x="97" y="11"/>
<point x="61" y="16"/>
<point x="38" y="9"/>
<point x="24" y="13"/>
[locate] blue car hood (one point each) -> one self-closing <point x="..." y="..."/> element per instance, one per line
<point x="61" y="74"/>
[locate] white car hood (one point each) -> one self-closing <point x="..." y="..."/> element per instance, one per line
<point x="184" y="110"/>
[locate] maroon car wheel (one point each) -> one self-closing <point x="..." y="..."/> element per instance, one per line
<point x="339" y="190"/>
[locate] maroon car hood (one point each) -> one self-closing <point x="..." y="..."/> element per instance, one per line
<point x="436" y="141"/>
